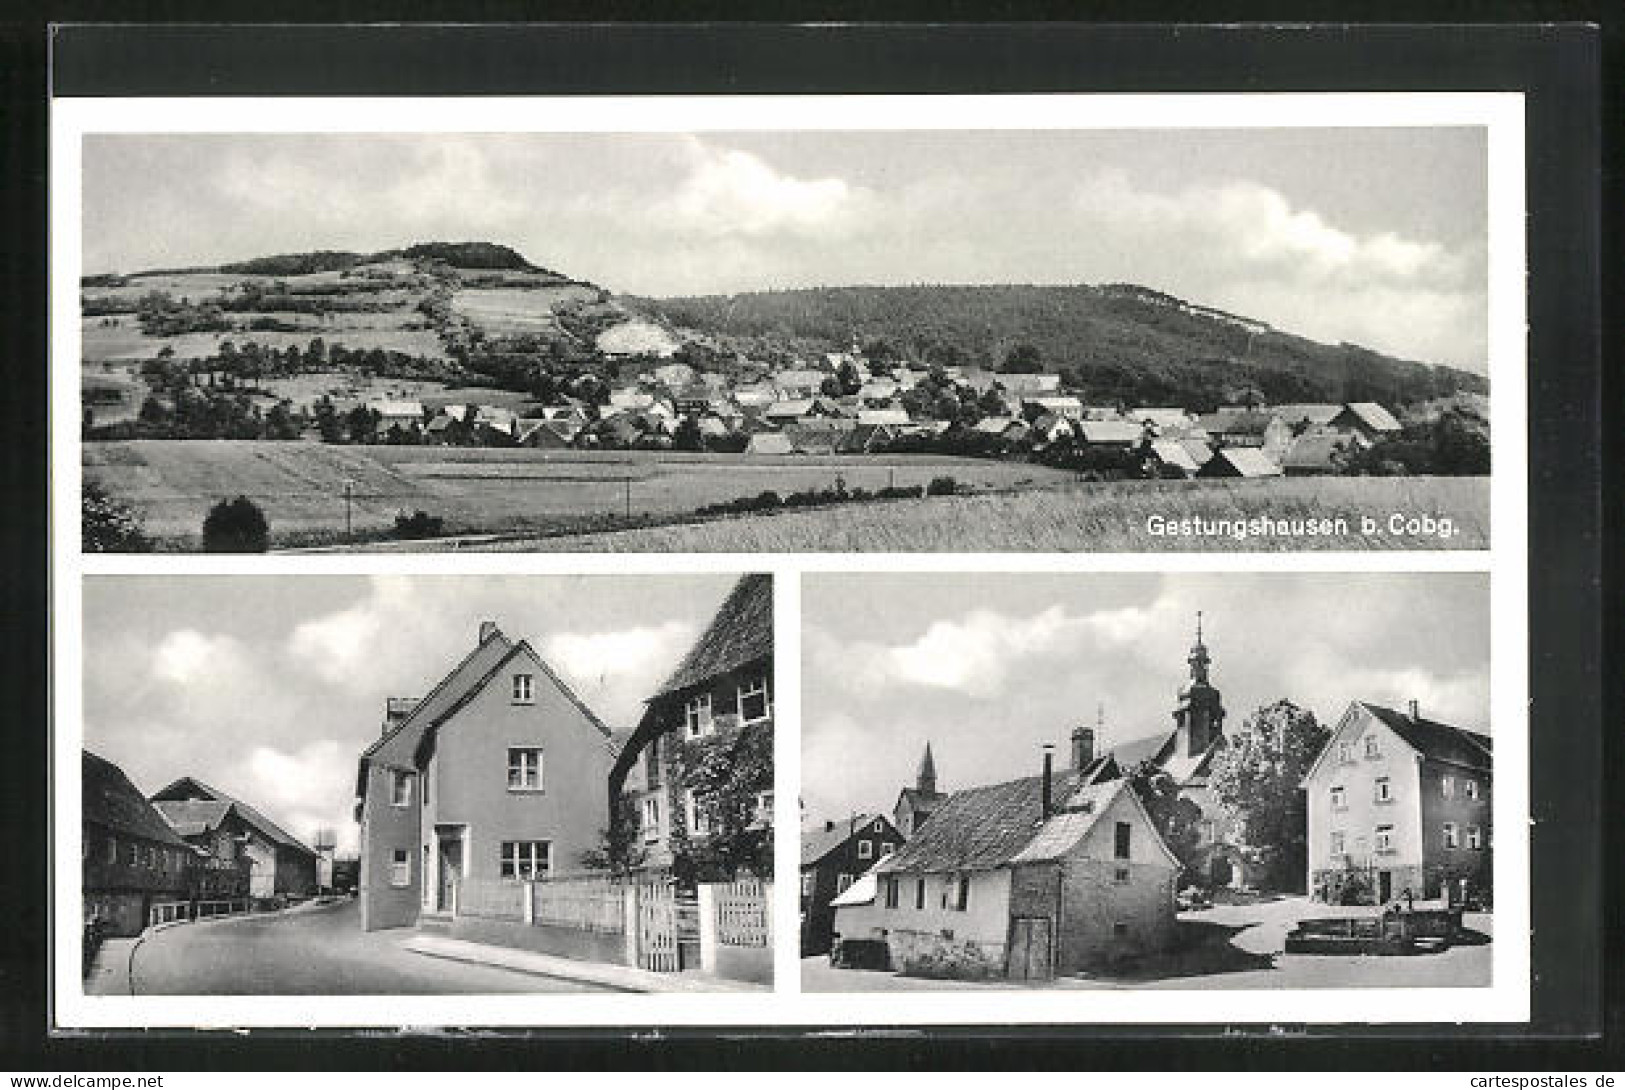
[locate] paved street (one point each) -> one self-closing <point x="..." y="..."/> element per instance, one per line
<point x="1230" y="946"/>
<point x="316" y="950"/>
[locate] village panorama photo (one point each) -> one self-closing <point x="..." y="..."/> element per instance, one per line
<point x="820" y="339"/>
<point x="409" y="786"/>
<point x="1130" y="781"/>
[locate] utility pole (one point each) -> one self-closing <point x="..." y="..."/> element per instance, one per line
<point x="349" y="493"/>
<point x="628" y="482"/>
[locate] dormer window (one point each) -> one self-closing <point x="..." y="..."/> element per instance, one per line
<point x="697" y="715"/>
<point x="754" y="703"/>
<point x="524" y="689"/>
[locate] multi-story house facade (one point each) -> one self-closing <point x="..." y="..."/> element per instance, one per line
<point x="833" y="856"/>
<point x="231" y="834"/>
<point x="695" y="777"/>
<point x="131" y="858"/>
<point x="496" y="775"/>
<point x="1397" y="805"/>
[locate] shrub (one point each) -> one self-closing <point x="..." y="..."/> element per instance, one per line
<point x="236" y="526"/>
<point x="942" y="486"/>
<point x="107" y="526"/>
<point x="418" y="524"/>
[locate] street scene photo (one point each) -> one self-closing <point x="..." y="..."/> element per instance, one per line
<point x="1188" y="781"/>
<point x="1064" y="340"/>
<point x="421" y="785"/>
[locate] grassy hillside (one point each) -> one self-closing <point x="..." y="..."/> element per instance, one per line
<point x="1116" y="342"/>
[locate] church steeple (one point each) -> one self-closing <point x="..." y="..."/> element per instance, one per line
<point x="926" y="778"/>
<point x="1199" y="716"/>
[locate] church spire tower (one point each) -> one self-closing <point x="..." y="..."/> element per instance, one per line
<point x="925" y="780"/>
<point x="1199" y="715"/>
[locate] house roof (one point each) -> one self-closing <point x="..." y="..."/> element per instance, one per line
<point x="1109" y="431"/>
<point x="193" y="817"/>
<point x="916" y="797"/>
<point x="1249" y="462"/>
<point x="819" y="842"/>
<point x="861" y="892"/>
<point x="882" y="416"/>
<point x="108" y="798"/>
<point x="1237" y="422"/>
<point x="191" y="786"/>
<point x="979" y="828"/>
<point x="1312" y="412"/>
<point x="741" y="633"/>
<point x="1373" y="416"/>
<point x="1313" y="450"/>
<point x="770" y="442"/>
<point x="1175" y="453"/>
<point x="1439" y="741"/>
<point x="389" y="407"/>
<point x="1062" y="832"/>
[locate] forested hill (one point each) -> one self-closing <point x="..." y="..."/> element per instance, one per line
<point x="1114" y="342"/>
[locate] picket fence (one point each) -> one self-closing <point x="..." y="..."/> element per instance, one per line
<point x="744" y="912"/>
<point x="593" y="903"/>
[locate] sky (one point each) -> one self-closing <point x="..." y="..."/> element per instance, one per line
<point x="1375" y="236"/>
<point x="989" y="667"/>
<point x="268" y="688"/>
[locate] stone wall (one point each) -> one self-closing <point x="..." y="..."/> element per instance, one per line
<point x="931" y="954"/>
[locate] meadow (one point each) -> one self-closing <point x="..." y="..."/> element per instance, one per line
<point x="1084" y="517"/>
<point x="301" y="485"/>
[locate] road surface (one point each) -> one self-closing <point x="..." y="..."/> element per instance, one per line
<point x="317" y="950"/>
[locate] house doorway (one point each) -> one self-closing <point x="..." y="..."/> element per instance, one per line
<point x="1029" y="956"/>
<point x="449" y="857"/>
<point x="1385" y="886"/>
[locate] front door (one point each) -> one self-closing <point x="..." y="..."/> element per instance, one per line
<point x="1385" y="886"/>
<point x="1029" y="957"/>
<point x="451" y="871"/>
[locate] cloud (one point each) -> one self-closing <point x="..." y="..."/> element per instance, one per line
<point x="334" y="646"/>
<point x="185" y="655"/>
<point x="629" y="651"/>
<point x="730" y="192"/>
<point x="309" y="788"/>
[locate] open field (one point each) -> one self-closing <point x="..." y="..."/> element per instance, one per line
<point x="515" y="310"/>
<point x="1075" y="517"/>
<point x="126" y="341"/>
<point x="300" y="485"/>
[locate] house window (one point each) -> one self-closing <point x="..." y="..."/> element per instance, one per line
<point x="1120" y="930"/>
<point x="524" y="689"/>
<point x="526" y="860"/>
<point x="1120" y="876"/>
<point x="1337" y="843"/>
<point x="891" y="892"/>
<point x="1385" y="838"/>
<point x="112" y="849"/>
<point x="919" y="894"/>
<point x="809" y="884"/>
<point x="1345" y="752"/>
<point x="961" y="893"/>
<point x="651" y="764"/>
<point x="843" y="882"/>
<point x="697" y="715"/>
<point x="699" y="817"/>
<point x="1371" y="748"/>
<point x="866" y="849"/>
<point x="1447" y="786"/>
<point x="401" y="790"/>
<point x="1451" y="838"/>
<point x="132" y="856"/>
<point x="400" y="868"/>
<point x="1384" y="792"/>
<point x="879" y="826"/>
<point x="651" y="819"/>
<point x="1471" y="787"/>
<point x="887" y="848"/>
<point x="1120" y="844"/>
<point x="754" y="704"/>
<point x="1475" y="838"/>
<point x="524" y="768"/>
<point x="1339" y="802"/>
<point x="764" y="807"/>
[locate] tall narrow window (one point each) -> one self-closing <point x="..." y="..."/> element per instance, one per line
<point x="698" y="814"/>
<point x="891" y="891"/>
<point x="919" y="893"/>
<point x="1372" y="748"/>
<point x="1475" y="838"/>
<point x="1384" y="790"/>
<point x="697" y="715"/>
<point x="1337" y="843"/>
<point x="651" y="764"/>
<point x="754" y="704"/>
<point x="962" y="893"/>
<point x="1385" y="838"/>
<point x="1471" y="787"/>
<point x="1120" y="843"/>
<point x="401" y="794"/>
<point x="1451" y="838"/>
<point x="651" y="819"/>
<point x="524" y="768"/>
<point x="524" y="689"/>
<point x="1447" y="786"/>
<point x="866" y="849"/>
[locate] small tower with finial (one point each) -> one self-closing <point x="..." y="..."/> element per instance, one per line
<point x="925" y="780"/>
<point x="1199" y="715"/>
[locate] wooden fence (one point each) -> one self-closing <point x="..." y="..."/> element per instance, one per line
<point x="491" y="900"/>
<point x="592" y="903"/>
<point x="744" y="912"/>
<point x="657" y="928"/>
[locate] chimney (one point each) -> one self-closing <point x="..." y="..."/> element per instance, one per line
<point x="1083" y="748"/>
<point x="1416" y="712"/>
<point x="487" y="630"/>
<point x="1049" y="772"/>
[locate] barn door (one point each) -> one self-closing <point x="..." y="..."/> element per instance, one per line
<point x="1029" y="956"/>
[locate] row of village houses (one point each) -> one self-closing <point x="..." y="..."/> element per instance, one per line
<point x="499" y="775"/>
<point x="794" y="412"/>
<point x="1066" y="871"/>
